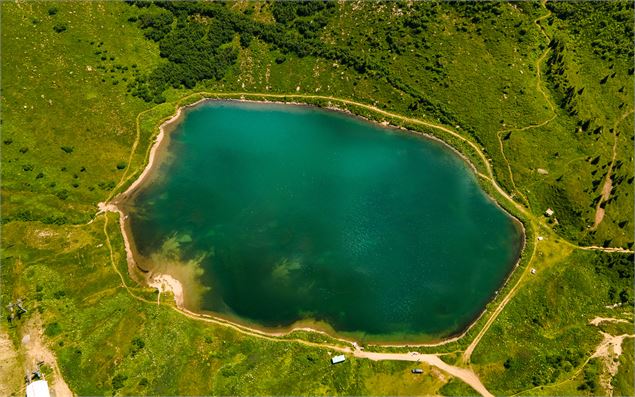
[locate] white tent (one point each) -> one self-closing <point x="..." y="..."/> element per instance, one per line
<point x="39" y="388"/>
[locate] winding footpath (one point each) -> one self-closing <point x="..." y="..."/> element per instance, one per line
<point x="539" y="88"/>
<point x="608" y="351"/>
<point x="466" y="375"/>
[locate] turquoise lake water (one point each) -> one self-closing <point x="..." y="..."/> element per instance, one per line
<point x="299" y="213"/>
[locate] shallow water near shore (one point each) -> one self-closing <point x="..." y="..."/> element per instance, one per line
<point x="292" y="213"/>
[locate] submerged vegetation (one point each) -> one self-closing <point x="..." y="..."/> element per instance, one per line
<point x="543" y="91"/>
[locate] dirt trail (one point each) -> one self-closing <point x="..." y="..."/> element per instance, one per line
<point x="37" y="351"/>
<point x="242" y="95"/>
<point x="609" y="351"/>
<point x="608" y="181"/>
<point x="540" y="89"/>
<point x="596" y="321"/>
<point x="488" y="177"/>
<point x="466" y="375"/>
<point x="467" y="355"/>
<point x="604" y="249"/>
<point x="11" y="376"/>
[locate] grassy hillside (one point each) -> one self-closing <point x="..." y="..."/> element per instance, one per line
<point x="544" y="90"/>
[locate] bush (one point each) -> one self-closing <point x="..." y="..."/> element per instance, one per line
<point x="52" y="11"/>
<point x="138" y="343"/>
<point x="118" y="380"/>
<point x="68" y="149"/>
<point x="62" y="194"/>
<point x="59" y="27"/>
<point x="106" y="185"/>
<point x="52" y="329"/>
<point x="121" y="165"/>
<point x="245" y="39"/>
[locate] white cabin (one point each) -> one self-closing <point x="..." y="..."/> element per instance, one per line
<point x="338" y="359"/>
<point x="39" y="388"/>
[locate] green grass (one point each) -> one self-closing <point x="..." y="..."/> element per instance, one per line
<point x="543" y="336"/>
<point x="95" y="327"/>
<point x="69" y="123"/>
<point x="59" y="100"/>
<point x="457" y="388"/>
<point x="623" y="381"/>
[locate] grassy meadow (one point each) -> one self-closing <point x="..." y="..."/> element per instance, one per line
<point x="545" y="91"/>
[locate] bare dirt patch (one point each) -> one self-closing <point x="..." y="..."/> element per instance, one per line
<point x="11" y="375"/>
<point x="596" y="321"/>
<point x="609" y="351"/>
<point x="36" y="352"/>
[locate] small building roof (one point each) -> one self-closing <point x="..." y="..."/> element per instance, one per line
<point x="39" y="388"/>
<point x="338" y="359"/>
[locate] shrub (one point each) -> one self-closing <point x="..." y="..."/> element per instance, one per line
<point x="59" y="27"/>
<point x="106" y="185"/>
<point x="62" y="194"/>
<point x="118" y="380"/>
<point x="68" y="149"/>
<point x="52" y="329"/>
<point x="245" y="39"/>
<point x="121" y="165"/>
<point x="52" y="11"/>
<point x="138" y="343"/>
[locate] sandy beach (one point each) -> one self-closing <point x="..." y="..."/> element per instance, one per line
<point x="167" y="283"/>
<point x="162" y="282"/>
<point x="159" y="141"/>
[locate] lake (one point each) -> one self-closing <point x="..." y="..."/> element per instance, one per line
<point x="297" y="215"/>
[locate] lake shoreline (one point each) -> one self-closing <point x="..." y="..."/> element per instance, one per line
<point x="164" y="282"/>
